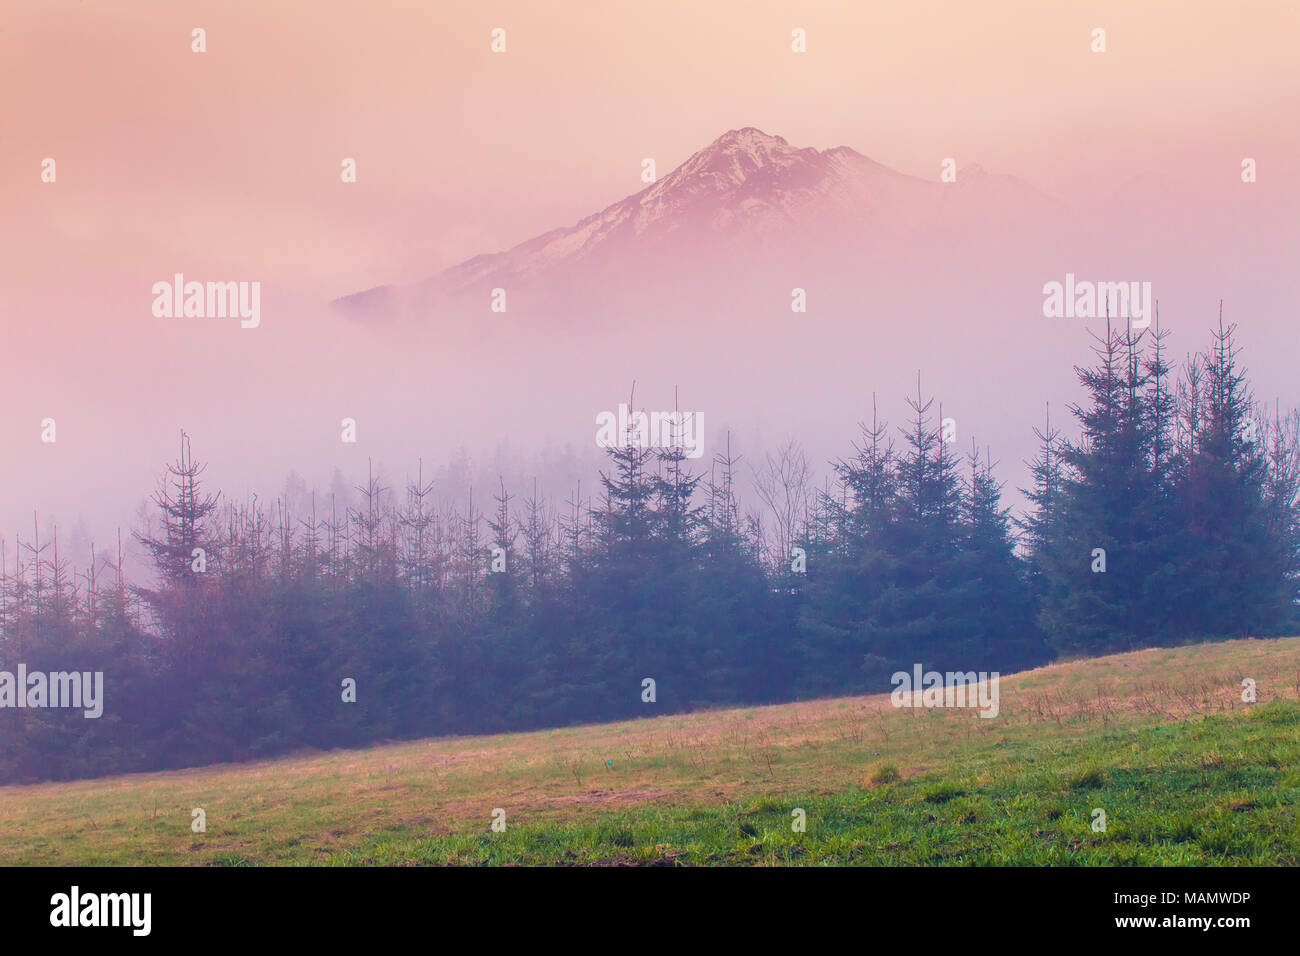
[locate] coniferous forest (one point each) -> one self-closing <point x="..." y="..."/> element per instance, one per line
<point x="1163" y="508"/>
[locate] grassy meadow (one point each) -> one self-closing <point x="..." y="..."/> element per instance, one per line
<point x="1160" y="740"/>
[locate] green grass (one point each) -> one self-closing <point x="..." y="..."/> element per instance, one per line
<point x="1185" y="772"/>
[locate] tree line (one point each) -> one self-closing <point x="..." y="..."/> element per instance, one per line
<point x="1172" y="514"/>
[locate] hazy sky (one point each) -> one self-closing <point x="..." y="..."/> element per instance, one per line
<point x="226" y="164"/>
<point x="233" y="155"/>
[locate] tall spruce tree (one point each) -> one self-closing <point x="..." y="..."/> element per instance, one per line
<point x="1230" y="558"/>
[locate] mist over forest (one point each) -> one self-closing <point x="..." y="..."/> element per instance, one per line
<point x="1163" y="509"/>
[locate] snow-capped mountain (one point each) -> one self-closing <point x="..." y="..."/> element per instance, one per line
<point x="748" y="197"/>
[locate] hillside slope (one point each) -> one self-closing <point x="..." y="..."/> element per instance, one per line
<point x="1160" y="740"/>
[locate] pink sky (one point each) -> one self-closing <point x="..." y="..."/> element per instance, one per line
<point x="232" y="156"/>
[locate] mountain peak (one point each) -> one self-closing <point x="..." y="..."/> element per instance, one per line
<point x="749" y="137"/>
<point x="749" y="146"/>
<point x="731" y="159"/>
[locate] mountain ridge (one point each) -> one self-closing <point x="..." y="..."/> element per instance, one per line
<point x="748" y="192"/>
